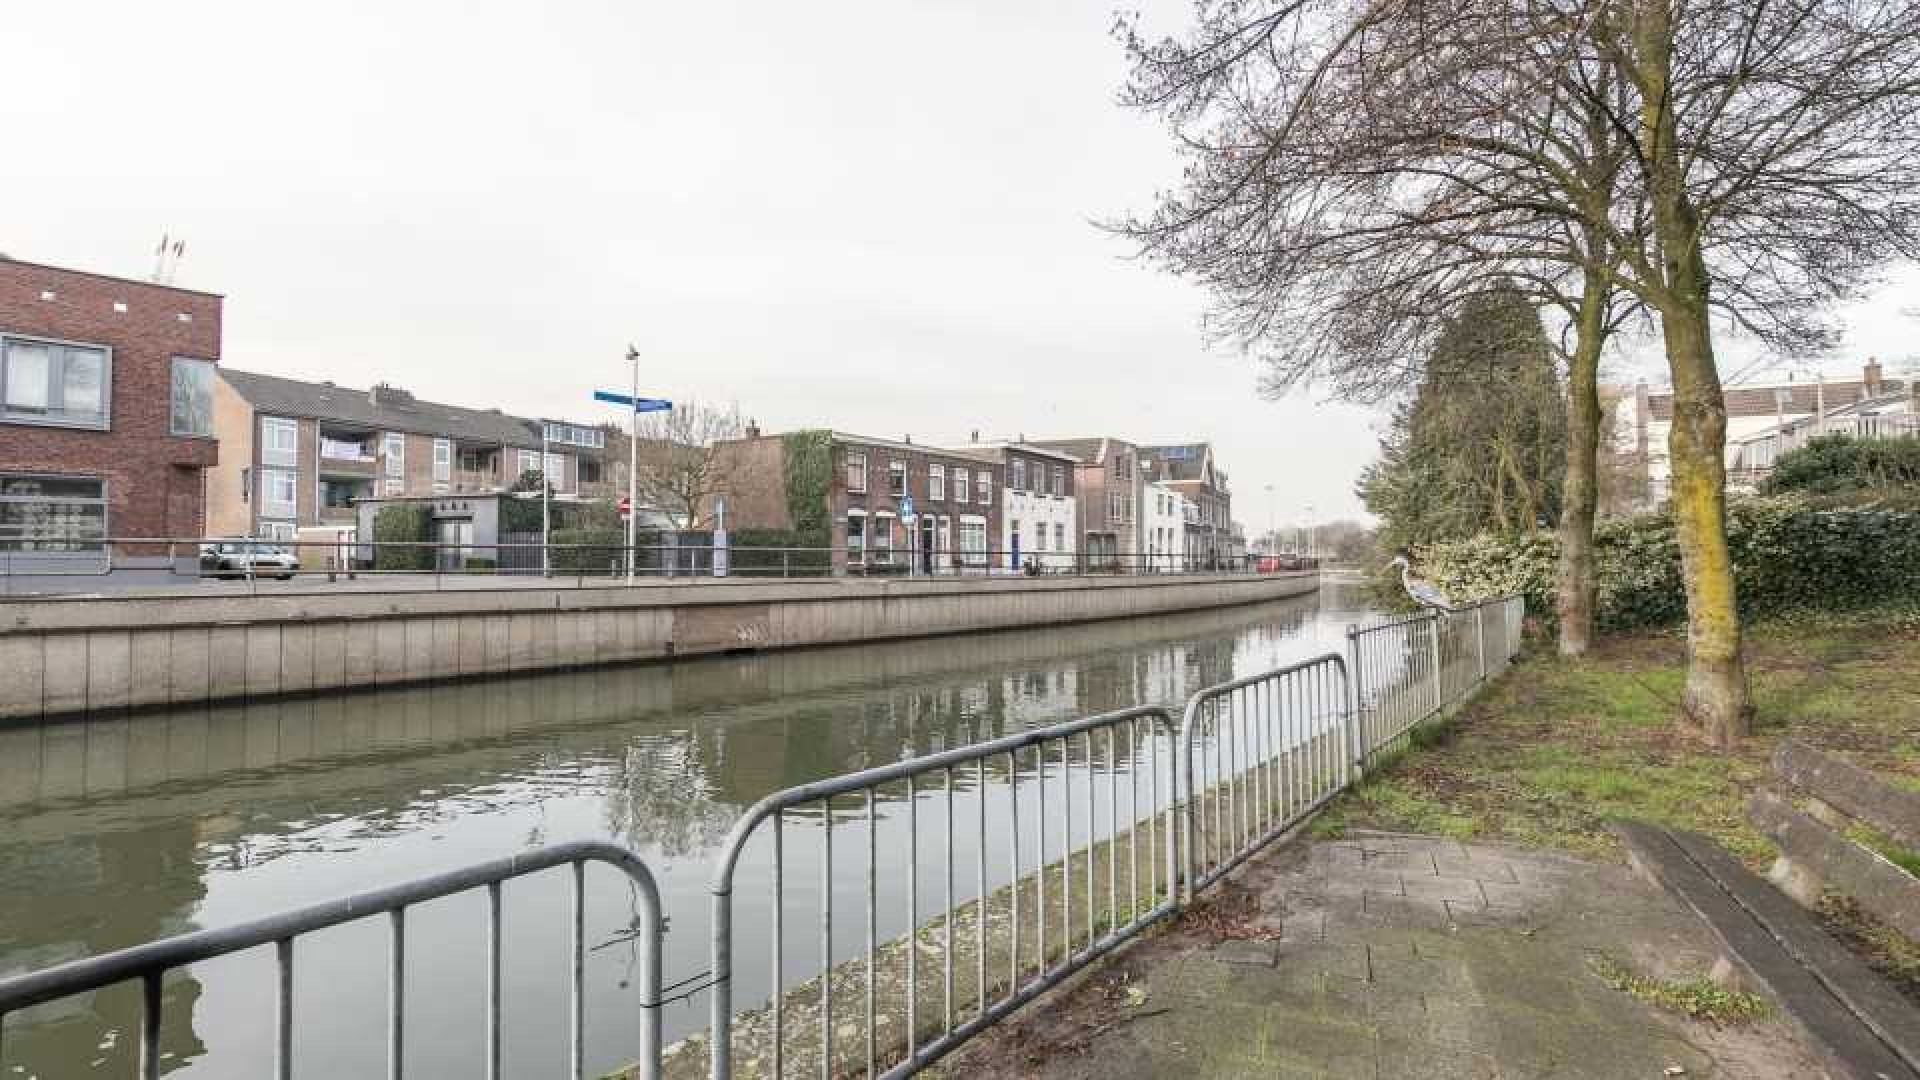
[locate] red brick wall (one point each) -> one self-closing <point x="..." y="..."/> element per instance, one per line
<point x="153" y="478"/>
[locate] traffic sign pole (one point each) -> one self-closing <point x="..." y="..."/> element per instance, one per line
<point x="633" y="470"/>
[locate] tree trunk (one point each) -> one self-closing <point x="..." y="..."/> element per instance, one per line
<point x="1580" y="493"/>
<point x="1716" y="694"/>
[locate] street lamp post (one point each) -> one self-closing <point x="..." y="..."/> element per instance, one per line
<point x="546" y="505"/>
<point x="633" y="469"/>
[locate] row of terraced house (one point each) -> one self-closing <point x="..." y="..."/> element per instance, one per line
<point x="1021" y="505"/>
<point x="119" y="419"/>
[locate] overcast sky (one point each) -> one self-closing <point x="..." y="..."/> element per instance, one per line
<point x="867" y="215"/>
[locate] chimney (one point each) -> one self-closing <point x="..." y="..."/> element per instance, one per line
<point x="383" y="394"/>
<point x="974" y="437"/>
<point x="908" y="439"/>
<point x="753" y="429"/>
<point x="1872" y="376"/>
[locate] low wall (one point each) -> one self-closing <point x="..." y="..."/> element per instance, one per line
<point x="84" y="654"/>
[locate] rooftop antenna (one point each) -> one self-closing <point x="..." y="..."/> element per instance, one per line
<point x="166" y="259"/>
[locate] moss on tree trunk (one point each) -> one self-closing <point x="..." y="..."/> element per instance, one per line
<point x="1579" y="493"/>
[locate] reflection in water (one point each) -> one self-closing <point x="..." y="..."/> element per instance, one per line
<point x="117" y="830"/>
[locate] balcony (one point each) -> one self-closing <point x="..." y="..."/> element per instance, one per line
<point x="346" y="455"/>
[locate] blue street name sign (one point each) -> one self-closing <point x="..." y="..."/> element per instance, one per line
<point x="645" y="404"/>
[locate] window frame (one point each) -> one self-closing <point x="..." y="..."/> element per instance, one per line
<point x="75" y="542"/>
<point x="442" y="464"/>
<point x="270" y="425"/>
<point x="1017" y="477"/>
<point x="270" y="507"/>
<point x="173" y="374"/>
<point x="855" y="460"/>
<point x="984" y="484"/>
<point x="936" y="482"/>
<point x="396" y="463"/>
<point x="962" y="485"/>
<point x="56" y="382"/>
<point x="1059" y="481"/>
<point x="896" y="478"/>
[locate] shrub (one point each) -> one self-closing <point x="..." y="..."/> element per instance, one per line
<point x="403" y="523"/>
<point x="1835" y="463"/>
<point x="748" y="553"/>
<point x="592" y="551"/>
<point x="1789" y="554"/>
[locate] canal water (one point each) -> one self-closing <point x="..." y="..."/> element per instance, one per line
<point x="116" y="830"/>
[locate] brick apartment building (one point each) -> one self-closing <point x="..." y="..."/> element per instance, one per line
<point x="956" y="501"/>
<point x="1039" y="511"/>
<point x="1189" y="469"/>
<point x="1112" y="497"/>
<point x="106" y="413"/>
<point x="298" y="454"/>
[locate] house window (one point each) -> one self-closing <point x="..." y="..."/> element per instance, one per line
<point x="1059" y="537"/>
<point x="1059" y="480"/>
<point x="1018" y="482"/>
<point x="973" y="541"/>
<point x="882" y="538"/>
<point x="856" y="535"/>
<point x="52" y="513"/>
<point x="277" y="493"/>
<point x="960" y="492"/>
<point x="556" y="471"/>
<point x="442" y="463"/>
<point x="1123" y="467"/>
<point x="396" y="455"/>
<point x="897" y="477"/>
<point x="192" y="386"/>
<point x="936" y="482"/>
<point x="1039" y="536"/>
<point x="589" y="471"/>
<point x="279" y="531"/>
<point x="529" y="463"/>
<point x="279" y="441"/>
<point x="985" y="483"/>
<point x="856" y="472"/>
<point x="53" y="382"/>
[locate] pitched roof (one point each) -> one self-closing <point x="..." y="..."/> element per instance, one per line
<point x="325" y="401"/>
<point x="1086" y="450"/>
<point x="1181" y="461"/>
<point x="1801" y="398"/>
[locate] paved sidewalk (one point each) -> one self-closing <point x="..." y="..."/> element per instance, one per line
<point x="1396" y="957"/>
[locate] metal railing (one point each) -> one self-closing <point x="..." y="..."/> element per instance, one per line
<point x="1008" y="966"/>
<point x="150" y="962"/>
<point x="1079" y="836"/>
<point x="445" y="564"/>
<point x="1259" y="755"/>
<point x="1408" y="670"/>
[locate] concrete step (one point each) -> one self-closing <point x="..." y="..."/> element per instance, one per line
<point x="1861" y="1026"/>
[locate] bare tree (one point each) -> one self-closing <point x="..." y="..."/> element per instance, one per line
<point x="1354" y="169"/>
<point x="681" y="467"/>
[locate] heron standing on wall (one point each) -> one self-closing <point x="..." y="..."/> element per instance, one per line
<point x="1425" y="593"/>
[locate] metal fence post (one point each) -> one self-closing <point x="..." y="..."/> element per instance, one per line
<point x="1356" y="709"/>
<point x="1480" y="638"/>
<point x="1433" y="634"/>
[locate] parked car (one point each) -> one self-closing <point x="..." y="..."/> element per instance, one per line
<point x="241" y="557"/>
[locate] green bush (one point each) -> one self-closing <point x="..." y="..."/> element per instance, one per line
<point x="403" y="523"/>
<point x="1789" y="554"/>
<point x="749" y="553"/>
<point x="1835" y="463"/>
<point x="592" y="551"/>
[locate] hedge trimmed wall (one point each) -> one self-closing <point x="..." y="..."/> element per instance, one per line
<point x="403" y="523"/>
<point x="1789" y="554"/>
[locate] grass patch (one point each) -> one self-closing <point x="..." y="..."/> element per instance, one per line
<point x="1886" y="950"/>
<point x="1547" y="755"/>
<point x="1883" y="845"/>
<point x="1695" y="997"/>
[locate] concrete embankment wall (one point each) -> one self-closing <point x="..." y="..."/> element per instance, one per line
<point x="82" y="654"/>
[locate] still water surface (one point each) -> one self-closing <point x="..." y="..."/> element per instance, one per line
<point x="118" y="830"/>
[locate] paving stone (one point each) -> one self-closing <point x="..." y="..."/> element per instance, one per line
<point x="1373" y="840"/>
<point x="1357" y="881"/>
<point x="1517" y="895"/>
<point x="1509" y="918"/>
<point x="1482" y="868"/>
<point x="1462" y="890"/>
<point x="1413" y="911"/>
<point x="1256" y="953"/>
<point x="1347" y="961"/>
<point x="1400" y="862"/>
<point x="1307" y="927"/>
<point x="1404" y="1059"/>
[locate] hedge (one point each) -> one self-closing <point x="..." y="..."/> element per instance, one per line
<point x="1835" y="463"/>
<point x="747" y="553"/>
<point x="593" y="551"/>
<point x="403" y="523"/>
<point x="1789" y="554"/>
